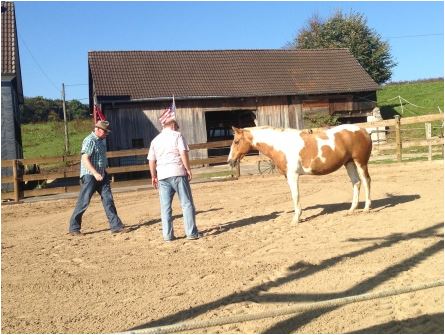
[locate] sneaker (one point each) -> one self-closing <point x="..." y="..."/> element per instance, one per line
<point x="120" y="230"/>
<point x="193" y="237"/>
<point x="75" y="233"/>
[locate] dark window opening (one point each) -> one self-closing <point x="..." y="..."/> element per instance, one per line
<point x="137" y="143"/>
<point x="219" y="127"/>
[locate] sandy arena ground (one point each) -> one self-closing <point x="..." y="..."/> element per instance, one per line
<point x="250" y="259"/>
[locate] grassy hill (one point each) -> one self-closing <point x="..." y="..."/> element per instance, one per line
<point x="47" y="139"/>
<point x="418" y="98"/>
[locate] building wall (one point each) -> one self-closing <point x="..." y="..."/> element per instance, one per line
<point x="11" y="135"/>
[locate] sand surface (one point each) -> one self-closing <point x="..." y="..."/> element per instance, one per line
<point x="250" y="259"/>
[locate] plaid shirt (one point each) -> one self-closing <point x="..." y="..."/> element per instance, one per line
<point x="96" y="149"/>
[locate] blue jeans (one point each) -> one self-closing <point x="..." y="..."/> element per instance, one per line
<point x="89" y="185"/>
<point x="167" y="189"/>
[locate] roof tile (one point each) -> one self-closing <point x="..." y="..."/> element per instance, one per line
<point x="8" y="39"/>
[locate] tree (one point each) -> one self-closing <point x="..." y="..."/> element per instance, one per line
<point x="349" y="31"/>
<point x="40" y="109"/>
<point x="78" y="110"/>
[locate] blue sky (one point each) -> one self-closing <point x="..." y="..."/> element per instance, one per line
<point x="55" y="37"/>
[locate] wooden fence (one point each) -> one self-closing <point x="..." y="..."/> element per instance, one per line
<point x="68" y="166"/>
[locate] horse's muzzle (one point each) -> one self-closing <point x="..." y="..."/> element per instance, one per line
<point x="232" y="162"/>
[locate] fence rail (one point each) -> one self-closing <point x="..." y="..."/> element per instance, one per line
<point x="70" y="166"/>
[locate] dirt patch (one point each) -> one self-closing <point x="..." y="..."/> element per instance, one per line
<point x="250" y="259"/>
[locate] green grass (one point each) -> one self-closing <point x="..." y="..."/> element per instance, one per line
<point x="406" y="160"/>
<point x="421" y="97"/>
<point x="47" y="139"/>
<point x="218" y="174"/>
<point x="428" y="95"/>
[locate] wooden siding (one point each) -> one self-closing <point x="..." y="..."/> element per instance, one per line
<point x="311" y="107"/>
<point x="273" y="111"/>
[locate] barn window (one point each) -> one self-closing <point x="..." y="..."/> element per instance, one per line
<point x="137" y="143"/>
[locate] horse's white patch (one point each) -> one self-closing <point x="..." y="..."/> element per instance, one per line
<point x="330" y="142"/>
<point x="337" y="129"/>
<point x="287" y="141"/>
<point x="230" y="154"/>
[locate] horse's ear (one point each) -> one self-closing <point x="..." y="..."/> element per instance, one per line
<point x="236" y="130"/>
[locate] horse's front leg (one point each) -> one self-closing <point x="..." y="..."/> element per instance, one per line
<point x="292" y="180"/>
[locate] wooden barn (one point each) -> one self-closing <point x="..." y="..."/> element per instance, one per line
<point x="216" y="89"/>
<point x="12" y="91"/>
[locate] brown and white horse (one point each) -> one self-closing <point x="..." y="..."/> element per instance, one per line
<point x="299" y="152"/>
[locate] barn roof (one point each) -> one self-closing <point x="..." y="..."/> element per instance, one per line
<point x="226" y="73"/>
<point x="10" y="49"/>
<point x="9" y="54"/>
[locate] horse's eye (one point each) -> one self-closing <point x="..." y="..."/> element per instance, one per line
<point x="236" y="142"/>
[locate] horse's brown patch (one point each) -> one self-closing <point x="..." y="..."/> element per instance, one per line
<point x="278" y="157"/>
<point x="361" y="147"/>
<point x="348" y="146"/>
<point x="309" y="151"/>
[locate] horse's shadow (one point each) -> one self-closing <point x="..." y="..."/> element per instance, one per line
<point x="376" y="206"/>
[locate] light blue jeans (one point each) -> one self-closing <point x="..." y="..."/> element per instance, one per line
<point x="167" y="189"/>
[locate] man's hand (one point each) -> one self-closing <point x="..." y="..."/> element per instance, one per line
<point x="186" y="163"/>
<point x="98" y="176"/>
<point x="189" y="174"/>
<point x="86" y="160"/>
<point x="154" y="182"/>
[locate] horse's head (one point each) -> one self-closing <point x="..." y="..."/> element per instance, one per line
<point x="241" y="145"/>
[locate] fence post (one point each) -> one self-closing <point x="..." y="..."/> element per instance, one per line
<point x="428" y="137"/>
<point x="398" y="139"/>
<point x="65" y="188"/>
<point x="15" y="174"/>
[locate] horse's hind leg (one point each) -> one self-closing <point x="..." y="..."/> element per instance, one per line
<point x="292" y="180"/>
<point x="355" y="180"/>
<point x="366" y="180"/>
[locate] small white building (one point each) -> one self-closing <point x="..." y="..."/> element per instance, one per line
<point x="378" y="134"/>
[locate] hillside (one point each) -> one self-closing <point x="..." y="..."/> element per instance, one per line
<point x="416" y="98"/>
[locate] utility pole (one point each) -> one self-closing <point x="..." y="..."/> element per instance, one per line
<point x="67" y="145"/>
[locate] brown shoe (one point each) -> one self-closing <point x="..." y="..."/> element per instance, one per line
<point x="120" y="230"/>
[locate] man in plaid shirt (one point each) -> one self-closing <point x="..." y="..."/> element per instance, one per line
<point x="94" y="178"/>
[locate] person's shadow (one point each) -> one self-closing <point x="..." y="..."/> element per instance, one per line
<point x="150" y="222"/>
<point x="239" y="223"/>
